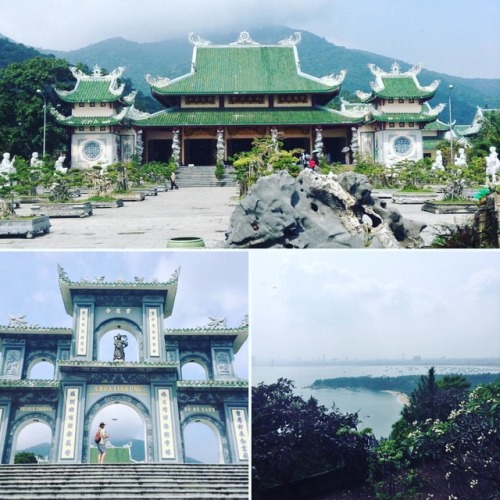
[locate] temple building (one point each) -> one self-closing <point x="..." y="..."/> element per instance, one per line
<point x="237" y="92"/>
<point x="119" y="352"/>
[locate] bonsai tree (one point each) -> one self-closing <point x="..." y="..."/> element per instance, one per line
<point x="6" y="196"/>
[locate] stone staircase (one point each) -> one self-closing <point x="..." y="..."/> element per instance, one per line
<point x="202" y="176"/>
<point x="124" y="481"/>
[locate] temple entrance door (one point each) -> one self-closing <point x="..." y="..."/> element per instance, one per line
<point x="33" y="436"/>
<point x="235" y="146"/>
<point x="332" y="149"/>
<point x="202" y="442"/>
<point x="127" y="434"/>
<point x="297" y="143"/>
<point x="159" y="150"/>
<point x="200" y="151"/>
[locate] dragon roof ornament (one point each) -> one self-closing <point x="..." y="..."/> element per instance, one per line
<point x="292" y="40"/>
<point x="435" y="111"/>
<point x="197" y="41"/>
<point x="364" y="96"/>
<point x="135" y="114"/>
<point x="333" y="79"/>
<point x="157" y="81"/>
<point x="130" y="98"/>
<point x="216" y="323"/>
<point x="244" y="39"/>
<point x="97" y="73"/>
<point x="101" y="280"/>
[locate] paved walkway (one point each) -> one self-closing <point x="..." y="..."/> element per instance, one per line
<point x="149" y="224"/>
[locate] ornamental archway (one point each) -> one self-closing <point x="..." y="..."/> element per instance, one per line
<point x="105" y="402"/>
<point x="212" y="434"/>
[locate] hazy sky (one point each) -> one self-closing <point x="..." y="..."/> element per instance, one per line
<point x="211" y="284"/>
<point x="458" y="37"/>
<point x="370" y="304"/>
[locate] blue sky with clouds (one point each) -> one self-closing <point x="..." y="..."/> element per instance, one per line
<point x="457" y="37"/>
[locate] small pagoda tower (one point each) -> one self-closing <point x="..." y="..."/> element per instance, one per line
<point x="399" y="112"/>
<point x="98" y="123"/>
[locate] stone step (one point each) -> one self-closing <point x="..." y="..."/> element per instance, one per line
<point x="124" y="481"/>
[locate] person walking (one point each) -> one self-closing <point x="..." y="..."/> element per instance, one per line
<point x="173" y="185"/>
<point x="100" y="439"/>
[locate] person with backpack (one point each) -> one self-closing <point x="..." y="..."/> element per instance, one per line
<point x="100" y="440"/>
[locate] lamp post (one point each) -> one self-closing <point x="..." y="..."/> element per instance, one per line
<point x="44" y="120"/>
<point x="450" y="87"/>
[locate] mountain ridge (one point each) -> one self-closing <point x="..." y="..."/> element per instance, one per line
<point x="318" y="57"/>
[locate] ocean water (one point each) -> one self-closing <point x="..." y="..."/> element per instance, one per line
<point x="376" y="409"/>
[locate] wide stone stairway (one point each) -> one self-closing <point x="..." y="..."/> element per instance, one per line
<point x="124" y="481"/>
<point x="202" y="176"/>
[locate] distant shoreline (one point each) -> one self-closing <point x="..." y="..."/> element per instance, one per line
<point x="401" y="397"/>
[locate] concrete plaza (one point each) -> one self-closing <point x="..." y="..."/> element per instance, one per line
<point x="149" y="224"/>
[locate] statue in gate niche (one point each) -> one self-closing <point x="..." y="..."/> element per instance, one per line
<point x="120" y="343"/>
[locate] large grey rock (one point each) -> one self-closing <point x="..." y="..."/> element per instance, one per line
<point x="318" y="211"/>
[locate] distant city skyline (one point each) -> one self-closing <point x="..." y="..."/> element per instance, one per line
<point x="456" y="37"/>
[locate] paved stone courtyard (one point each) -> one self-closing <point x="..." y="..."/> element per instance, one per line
<point x="201" y="212"/>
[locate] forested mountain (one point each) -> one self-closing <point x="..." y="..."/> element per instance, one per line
<point x="11" y="52"/>
<point x="318" y="57"/>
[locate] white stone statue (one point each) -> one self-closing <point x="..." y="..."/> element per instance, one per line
<point x="35" y="161"/>
<point x="60" y="164"/>
<point x="492" y="166"/>
<point x="438" y="162"/>
<point x="461" y="160"/>
<point x="7" y="165"/>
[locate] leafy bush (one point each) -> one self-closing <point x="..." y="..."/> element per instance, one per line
<point x="25" y="458"/>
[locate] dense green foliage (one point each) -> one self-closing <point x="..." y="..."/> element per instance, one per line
<point x="293" y="438"/>
<point x="22" y="108"/>
<point x="401" y="383"/>
<point x="25" y="458"/>
<point x="265" y="158"/>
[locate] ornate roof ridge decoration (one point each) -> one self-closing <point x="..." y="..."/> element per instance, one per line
<point x="157" y="81"/>
<point x="125" y="364"/>
<point x="428" y="88"/>
<point x="32" y="383"/>
<point x="364" y="96"/>
<point x="205" y="329"/>
<point x="97" y="73"/>
<point x="245" y="39"/>
<point x="135" y="114"/>
<point x="197" y="384"/>
<point x="56" y="114"/>
<point x="101" y="280"/>
<point x="197" y="41"/>
<point x="435" y="111"/>
<point x="333" y="80"/>
<point x="354" y="109"/>
<point x="130" y="98"/>
<point x="292" y="40"/>
<point x="20" y="322"/>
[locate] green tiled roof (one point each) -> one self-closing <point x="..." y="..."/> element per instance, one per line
<point x="404" y="117"/>
<point x="96" y="87"/>
<point x="402" y="87"/>
<point x="29" y="384"/>
<point x="212" y="384"/>
<point x="89" y="121"/>
<point x="244" y="70"/>
<point x="245" y="116"/>
<point x="437" y="125"/>
<point x="91" y="91"/>
<point x="127" y="365"/>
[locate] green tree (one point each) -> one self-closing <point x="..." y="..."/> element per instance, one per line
<point x="422" y="405"/>
<point x="25" y="458"/>
<point x="293" y="438"/>
<point x="265" y="158"/>
<point x="22" y="108"/>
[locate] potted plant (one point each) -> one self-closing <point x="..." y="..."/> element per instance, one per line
<point x="10" y="222"/>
